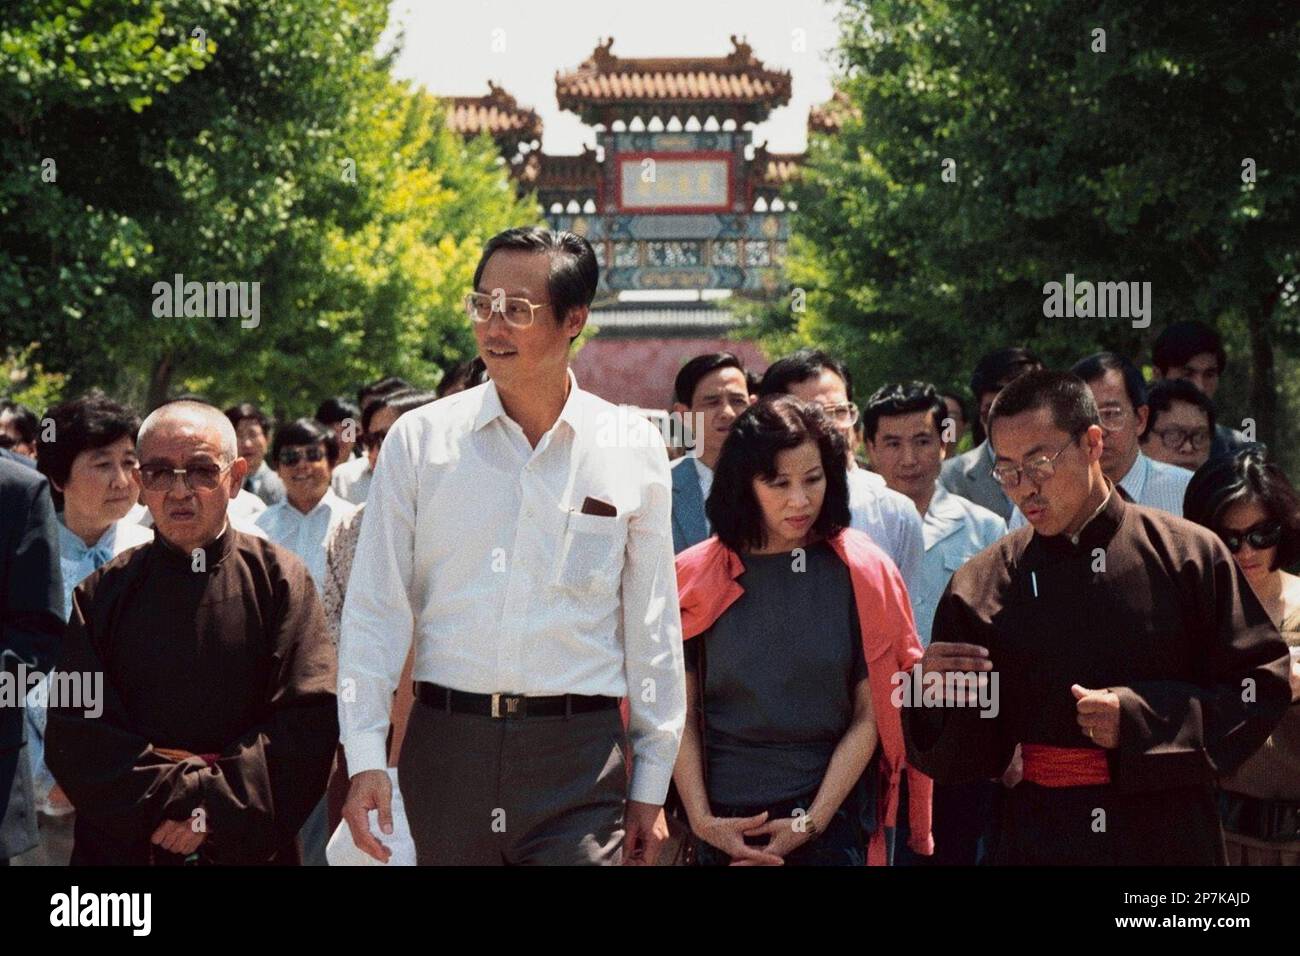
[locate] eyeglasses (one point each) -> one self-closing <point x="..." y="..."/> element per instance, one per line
<point x="1113" y="419"/>
<point x="197" y="477"/>
<point x="1037" y="470"/>
<point x="518" y="312"/>
<point x="291" y="456"/>
<point x="845" y="415"/>
<point x="1173" y="437"/>
<point x="375" y="439"/>
<point x="1260" y="536"/>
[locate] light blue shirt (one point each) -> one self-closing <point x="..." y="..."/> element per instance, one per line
<point x="955" y="530"/>
<point x="890" y="519"/>
<point x="77" y="561"/>
<point x="1150" y="483"/>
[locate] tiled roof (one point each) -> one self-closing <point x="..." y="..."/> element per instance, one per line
<point x="828" y="117"/>
<point x="780" y="168"/>
<point x="543" y="171"/>
<point x="498" y="114"/>
<point x="738" y="78"/>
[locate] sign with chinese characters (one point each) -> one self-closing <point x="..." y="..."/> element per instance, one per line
<point x="699" y="182"/>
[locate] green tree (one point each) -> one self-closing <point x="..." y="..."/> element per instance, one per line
<point x="232" y="141"/>
<point x="1115" y="156"/>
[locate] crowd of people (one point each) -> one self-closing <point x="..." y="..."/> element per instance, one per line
<point x="819" y="635"/>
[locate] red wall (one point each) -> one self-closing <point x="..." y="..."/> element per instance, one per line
<point x="640" y="372"/>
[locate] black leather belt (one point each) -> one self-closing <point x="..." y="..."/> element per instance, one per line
<point x="509" y="706"/>
<point x="1271" y="820"/>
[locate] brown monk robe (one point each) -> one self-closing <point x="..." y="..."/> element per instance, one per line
<point x="1133" y="664"/>
<point x="1147" y="606"/>
<point x="228" y="659"/>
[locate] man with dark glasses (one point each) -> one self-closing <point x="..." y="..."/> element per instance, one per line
<point x="1134" y="665"/>
<point x="217" y="722"/>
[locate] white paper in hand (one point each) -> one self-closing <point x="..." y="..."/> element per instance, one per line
<point x="341" y="851"/>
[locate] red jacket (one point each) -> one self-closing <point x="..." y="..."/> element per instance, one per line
<point x="706" y="587"/>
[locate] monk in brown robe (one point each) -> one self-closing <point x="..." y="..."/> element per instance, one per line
<point x="1133" y="664"/>
<point x="218" y="719"/>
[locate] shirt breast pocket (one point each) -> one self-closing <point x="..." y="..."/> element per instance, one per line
<point x="591" y="554"/>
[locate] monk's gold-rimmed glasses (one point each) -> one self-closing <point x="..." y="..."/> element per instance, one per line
<point x="197" y="478"/>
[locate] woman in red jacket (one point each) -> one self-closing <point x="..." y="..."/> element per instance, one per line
<point x="796" y="626"/>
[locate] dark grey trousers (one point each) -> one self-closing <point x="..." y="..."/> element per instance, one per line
<point x="485" y="792"/>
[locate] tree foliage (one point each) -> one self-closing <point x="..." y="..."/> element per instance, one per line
<point x="1122" y="164"/>
<point x="232" y="141"/>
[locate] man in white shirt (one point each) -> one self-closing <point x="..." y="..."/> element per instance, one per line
<point x="1121" y="395"/>
<point x="888" y="517"/>
<point x="351" y="482"/>
<point x="305" y="452"/>
<point x="710" y="391"/>
<point x="520" y="533"/>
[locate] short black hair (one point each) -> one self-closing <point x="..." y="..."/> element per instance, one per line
<point x="1096" y="366"/>
<point x="1243" y="476"/>
<point x="24" y="419"/>
<point x="752" y="381"/>
<point x="1073" y="408"/>
<point x="574" y="273"/>
<point x="999" y="367"/>
<point x="409" y="401"/>
<point x="305" y="431"/>
<point x="1162" y="395"/>
<point x="903" y="399"/>
<point x="960" y="399"/>
<point x="378" y="403"/>
<point x="800" y="366"/>
<point x="771" y="425"/>
<point x="689" y="377"/>
<point x="467" y="374"/>
<point x="83" y="424"/>
<point x="1183" y="341"/>
<point x="246" y="410"/>
<point x="338" y="409"/>
<point x="382" y="386"/>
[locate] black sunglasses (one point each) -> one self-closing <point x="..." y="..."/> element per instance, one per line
<point x="1261" y="536"/>
<point x="291" y="456"/>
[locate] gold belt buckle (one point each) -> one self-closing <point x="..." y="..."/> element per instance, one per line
<point x="512" y="702"/>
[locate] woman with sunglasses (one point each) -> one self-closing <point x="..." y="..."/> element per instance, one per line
<point x="304" y="453"/>
<point x="1248" y="501"/>
<point x="793" y="625"/>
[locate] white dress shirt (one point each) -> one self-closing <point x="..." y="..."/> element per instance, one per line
<point x="1150" y="483"/>
<point x="475" y="547"/>
<point x="351" y="480"/>
<point x="956" y="530"/>
<point x="890" y="519"/>
<point x="706" y="485"/>
<point x="305" y="534"/>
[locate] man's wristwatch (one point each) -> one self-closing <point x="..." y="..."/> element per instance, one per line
<point x="810" y="826"/>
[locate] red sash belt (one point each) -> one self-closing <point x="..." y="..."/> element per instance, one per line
<point x="1064" y="766"/>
